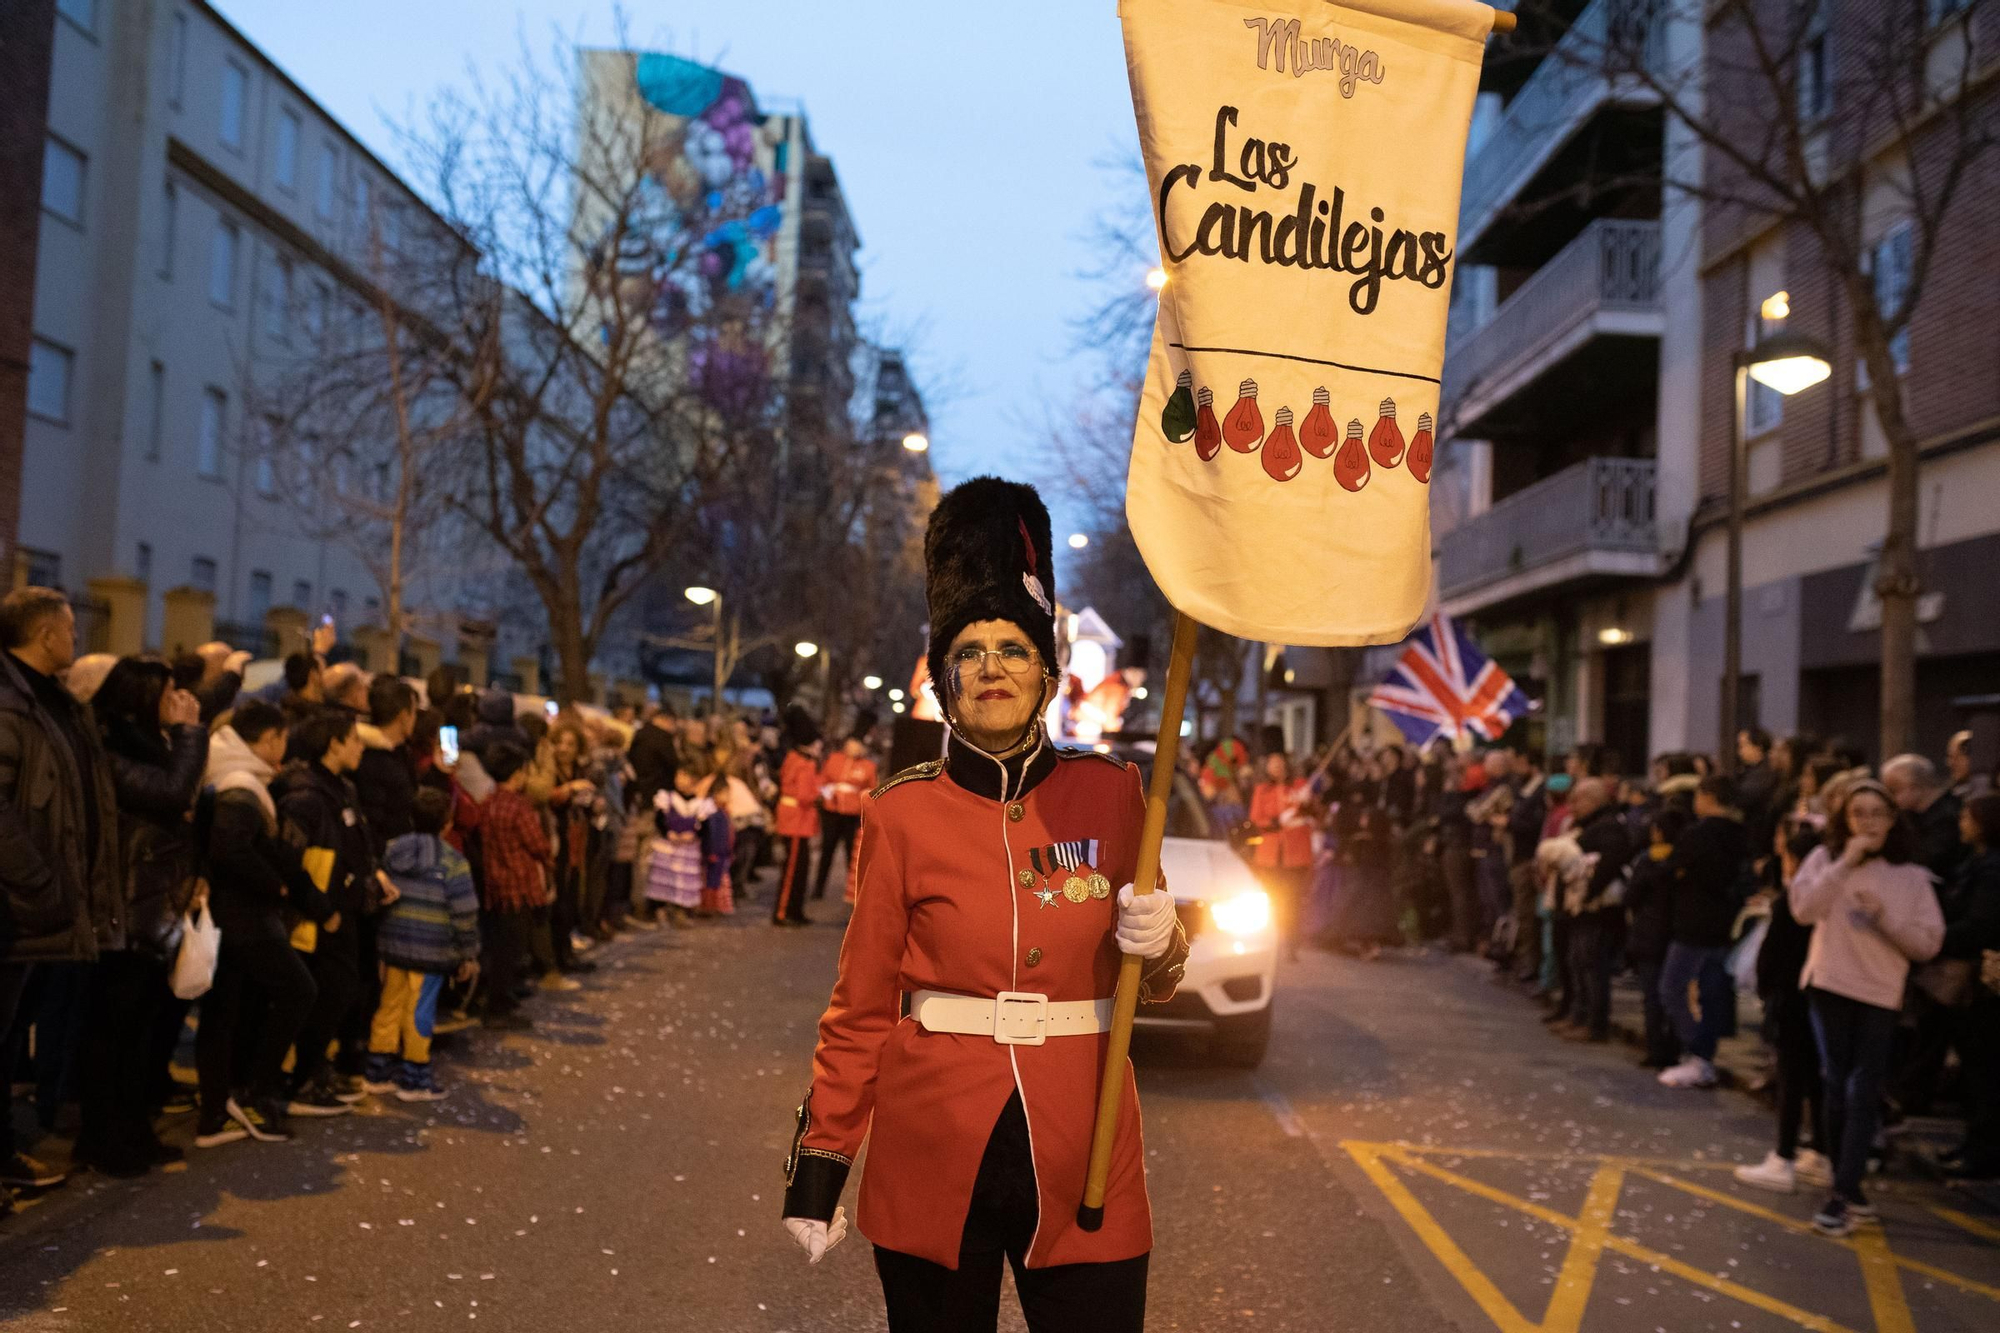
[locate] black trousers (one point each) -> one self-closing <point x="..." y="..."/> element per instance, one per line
<point x="506" y="950"/>
<point x="1595" y="939"/>
<point x="334" y="965"/>
<point x="835" y="830"/>
<point x="1798" y="1073"/>
<point x="115" y="1078"/>
<point x="791" y="899"/>
<point x="1980" y="1048"/>
<point x="266" y="978"/>
<point x="927" y="1297"/>
<point x="13" y="981"/>
<point x="743" y="860"/>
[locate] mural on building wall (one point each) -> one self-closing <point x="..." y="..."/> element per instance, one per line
<point x="699" y="234"/>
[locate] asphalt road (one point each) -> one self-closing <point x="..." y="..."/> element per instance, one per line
<point x="1415" y="1154"/>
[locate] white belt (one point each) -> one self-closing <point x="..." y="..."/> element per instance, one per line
<point x="1012" y="1018"/>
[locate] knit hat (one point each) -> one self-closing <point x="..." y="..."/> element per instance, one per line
<point x="987" y="557"/>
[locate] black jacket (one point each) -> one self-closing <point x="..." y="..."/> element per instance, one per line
<point x="1709" y="862"/>
<point x="255" y="878"/>
<point x="653" y="754"/>
<point x="156" y="779"/>
<point x="1525" y="820"/>
<point x="1782" y="956"/>
<point x="1939" y="847"/>
<point x="1976" y="925"/>
<point x="387" y="785"/>
<point x="60" y="894"/>
<point x="317" y="808"/>
<point x="1649" y="906"/>
<point x="1603" y="836"/>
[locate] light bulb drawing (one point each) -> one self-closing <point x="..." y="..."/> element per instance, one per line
<point x="1244" y="425"/>
<point x="1207" y="430"/>
<point x="1385" y="442"/>
<point x="1177" y="418"/>
<point x="1281" y="457"/>
<point x="1419" y="458"/>
<point x="1350" y="463"/>
<point x="1318" y="433"/>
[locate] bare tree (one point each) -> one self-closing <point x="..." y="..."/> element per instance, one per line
<point x="1811" y="115"/>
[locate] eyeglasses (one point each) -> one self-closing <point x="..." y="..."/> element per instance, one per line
<point x="1016" y="659"/>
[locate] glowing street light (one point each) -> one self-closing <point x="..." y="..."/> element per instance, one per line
<point x="1078" y="540"/>
<point x="1156" y="278"/>
<point x="916" y="442"/>
<point x="871" y="682"/>
<point x="895" y="708"/>
<point x="895" y="696"/>
<point x="700" y="596"/>
<point x="806" y="648"/>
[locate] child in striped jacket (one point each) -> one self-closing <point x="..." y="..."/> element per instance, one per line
<point x="427" y="934"/>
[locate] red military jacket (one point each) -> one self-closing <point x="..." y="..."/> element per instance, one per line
<point x="850" y="780"/>
<point x="958" y="892"/>
<point x="798" y="796"/>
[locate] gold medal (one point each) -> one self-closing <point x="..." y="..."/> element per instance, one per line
<point x="1075" y="889"/>
<point x="1100" y="887"/>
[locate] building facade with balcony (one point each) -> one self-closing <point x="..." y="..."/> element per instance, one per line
<point x="1557" y="498"/>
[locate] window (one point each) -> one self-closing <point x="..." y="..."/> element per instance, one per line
<point x="302" y="593"/>
<point x="156" y="409"/>
<point x="62" y="181"/>
<point x="260" y="596"/>
<point x="1815" y="72"/>
<point x="287" y="166"/>
<point x="316" y="313"/>
<point x="1940" y="10"/>
<point x="173" y="211"/>
<point x="361" y="204"/>
<point x="177" y="60"/>
<point x="329" y="177"/>
<point x="267" y="451"/>
<point x="1890" y="260"/>
<point x="280" y="317"/>
<point x="83" y="13"/>
<point x="49" y="369"/>
<point x="201" y="573"/>
<point x="389" y="228"/>
<point x="142" y="562"/>
<point x="235" y="88"/>
<point x="208" y="445"/>
<point x="222" y="263"/>
<point x="44" y="568"/>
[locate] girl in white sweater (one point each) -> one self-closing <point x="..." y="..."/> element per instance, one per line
<point x="1874" y="912"/>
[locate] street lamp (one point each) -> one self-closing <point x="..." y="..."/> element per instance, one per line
<point x="871" y="682"/>
<point x="701" y="596"/>
<point x="806" y="648"/>
<point x="1078" y="540"/>
<point x="916" y="442"/>
<point x="1787" y="363"/>
<point x="895" y="696"/>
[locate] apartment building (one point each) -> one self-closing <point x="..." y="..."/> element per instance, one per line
<point x="202" y="222"/>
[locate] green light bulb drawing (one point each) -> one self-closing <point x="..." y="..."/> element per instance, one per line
<point x="1177" y="420"/>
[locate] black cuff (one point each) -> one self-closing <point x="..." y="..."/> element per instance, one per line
<point x="1161" y="976"/>
<point x="817" y="1178"/>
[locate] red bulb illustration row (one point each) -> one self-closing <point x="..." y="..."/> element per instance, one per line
<point x="1190" y="414"/>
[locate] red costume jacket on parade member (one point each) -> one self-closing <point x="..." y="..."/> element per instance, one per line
<point x="1282" y="846"/>
<point x="955" y="896"/>
<point x="850" y="779"/>
<point x="798" y="796"/>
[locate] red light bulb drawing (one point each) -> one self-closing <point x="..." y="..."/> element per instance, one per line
<point x="1244" y="425"/>
<point x="1177" y="418"/>
<point x="1207" y="430"/>
<point x="1420" y="450"/>
<point x="1282" y="459"/>
<point x="1350" y="463"/>
<point x="1318" y="433"/>
<point x="1385" y="442"/>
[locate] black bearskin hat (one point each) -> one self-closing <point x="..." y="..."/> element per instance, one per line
<point x="800" y="729"/>
<point x="987" y="557"/>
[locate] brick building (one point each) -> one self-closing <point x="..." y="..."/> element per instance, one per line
<point x="25" y="50"/>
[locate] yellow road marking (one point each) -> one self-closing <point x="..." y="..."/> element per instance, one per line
<point x="1885" y="1288"/>
<point x="1586" y="1247"/>
<point x="1578" y="1159"/>
<point x="1984" y="1230"/>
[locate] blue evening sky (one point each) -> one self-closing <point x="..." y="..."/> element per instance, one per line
<point x="969" y="140"/>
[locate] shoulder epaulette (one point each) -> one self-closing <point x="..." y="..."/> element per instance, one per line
<point x="1111" y="759"/>
<point x="929" y="769"/>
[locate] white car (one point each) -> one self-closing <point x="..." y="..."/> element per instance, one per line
<point x="1232" y="964"/>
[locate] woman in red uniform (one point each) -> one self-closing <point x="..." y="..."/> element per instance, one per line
<point x="1281" y="808"/>
<point x="987" y="895"/>
<point x="798" y="816"/>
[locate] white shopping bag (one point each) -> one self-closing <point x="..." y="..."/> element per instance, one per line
<point x="194" y="965"/>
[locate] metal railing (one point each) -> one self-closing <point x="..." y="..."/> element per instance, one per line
<point x="1601" y="504"/>
<point x="1571" y="81"/>
<point x="1613" y="265"/>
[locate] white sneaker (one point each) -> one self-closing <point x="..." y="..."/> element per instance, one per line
<point x="581" y="943"/>
<point x="556" y="981"/>
<point x="1814" y="1169"/>
<point x="1773" y="1173"/>
<point x="1691" y="1072"/>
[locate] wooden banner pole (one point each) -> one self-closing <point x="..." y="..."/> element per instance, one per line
<point x="1166" y="755"/>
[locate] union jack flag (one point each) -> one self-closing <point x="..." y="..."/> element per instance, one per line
<point x="1443" y="686"/>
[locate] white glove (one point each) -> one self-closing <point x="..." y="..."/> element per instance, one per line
<point x="1145" y="924"/>
<point x="816" y="1238"/>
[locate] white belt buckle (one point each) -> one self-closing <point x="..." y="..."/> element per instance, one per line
<point x="1009" y="1023"/>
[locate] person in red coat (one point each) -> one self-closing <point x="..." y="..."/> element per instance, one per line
<point x="988" y="896"/>
<point x="1282" y="808"/>
<point x="845" y="778"/>
<point x="798" y="816"/>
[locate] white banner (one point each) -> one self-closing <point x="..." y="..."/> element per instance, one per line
<point x="1304" y="160"/>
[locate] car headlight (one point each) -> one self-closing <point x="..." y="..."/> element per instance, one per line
<point x="1245" y="914"/>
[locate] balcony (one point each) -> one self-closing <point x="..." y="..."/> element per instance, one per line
<point x="1586" y="525"/>
<point x="1541" y="140"/>
<point x="1580" y="335"/>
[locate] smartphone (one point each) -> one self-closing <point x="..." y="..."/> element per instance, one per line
<point x="327" y="620"/>
<point x="551" y="709"/>
<point x="448" y="745"/>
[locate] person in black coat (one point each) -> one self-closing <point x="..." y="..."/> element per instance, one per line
<point x="156" y="748"/>
<point x="1710" y="862"/>
<point x="1975" y="931"/>
<point x="1649" y="904"/>
<point x="1788" y="1028"/>
<point x="1597" y="917"/>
